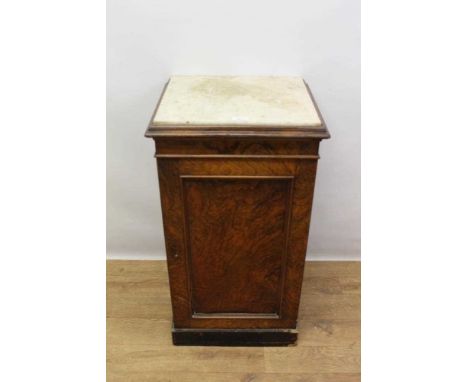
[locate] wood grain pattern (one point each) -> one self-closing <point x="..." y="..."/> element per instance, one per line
<point x="179" y="244"/>
<point x="237" y="229"/>
<point x="171" y="376"/>
<point x="230" y="146"/>
<point x="139" y="346"/>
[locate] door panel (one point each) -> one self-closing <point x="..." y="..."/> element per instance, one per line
<point x="236" y="236"/>
<point x="236" y="231"/>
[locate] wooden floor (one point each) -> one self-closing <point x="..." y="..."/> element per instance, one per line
<point x="139" y="346"/>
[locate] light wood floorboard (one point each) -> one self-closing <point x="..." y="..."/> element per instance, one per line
<point x="139" y="346"/>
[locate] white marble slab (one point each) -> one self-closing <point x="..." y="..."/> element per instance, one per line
<point x="243" y="101"/>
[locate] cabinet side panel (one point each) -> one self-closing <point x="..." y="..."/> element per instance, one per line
<point x="298" y="239"/>
<point x="174" y="238"/>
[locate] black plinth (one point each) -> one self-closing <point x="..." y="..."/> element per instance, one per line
<point x="234" y="337"/>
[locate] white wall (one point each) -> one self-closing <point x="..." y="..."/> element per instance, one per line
<point x="148" y="40"/>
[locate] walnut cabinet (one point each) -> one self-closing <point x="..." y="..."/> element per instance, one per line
<point x="236" y="162"/>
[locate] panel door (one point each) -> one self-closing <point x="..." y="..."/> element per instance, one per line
<point x="236" y="236"/>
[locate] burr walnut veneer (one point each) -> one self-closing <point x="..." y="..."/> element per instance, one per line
<point x="237" y="158"/>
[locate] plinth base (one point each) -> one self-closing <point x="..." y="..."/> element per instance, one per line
<point x="234" y="337"/>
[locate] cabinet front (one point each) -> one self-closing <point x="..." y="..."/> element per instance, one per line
<point x="236" y="235"/>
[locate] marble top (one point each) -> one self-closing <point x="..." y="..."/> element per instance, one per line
<point x="236" y="101"/>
